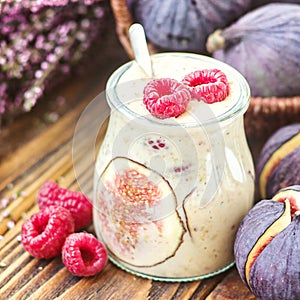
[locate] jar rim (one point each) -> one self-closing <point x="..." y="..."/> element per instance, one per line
<point x="238" y="108"/>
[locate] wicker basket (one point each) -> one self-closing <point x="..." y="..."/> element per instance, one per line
<point x="264" y="115"/>
<point x="123" y="20"/>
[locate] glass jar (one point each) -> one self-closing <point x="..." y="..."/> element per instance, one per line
<point x="169" y="194"/>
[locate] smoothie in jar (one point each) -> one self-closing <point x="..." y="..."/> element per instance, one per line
<point x="169" y="194"/>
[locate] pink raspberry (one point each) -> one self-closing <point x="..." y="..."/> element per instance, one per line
<point x="83" y="254"/>
<point x="44" y="233"/>
<point x="77" y="203"/>
<point x="166" y="98"/>
<point x="209" y="85"/>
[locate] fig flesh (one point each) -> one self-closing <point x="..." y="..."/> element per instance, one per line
<point x="291" y="193"/>
<point x="136" y="207"/>
<point x="267" y="247"/>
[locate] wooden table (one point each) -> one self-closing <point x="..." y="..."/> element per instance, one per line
<point x="34" y="149"/>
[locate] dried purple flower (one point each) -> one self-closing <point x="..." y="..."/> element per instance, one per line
<point x="41" y="39"/>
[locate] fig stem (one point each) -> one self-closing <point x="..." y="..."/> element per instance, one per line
<point x="215" y="41"/>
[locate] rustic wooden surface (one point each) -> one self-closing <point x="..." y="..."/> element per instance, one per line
<point x="33" y="150"/>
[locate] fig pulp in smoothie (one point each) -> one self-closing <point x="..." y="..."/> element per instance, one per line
<point x="169" y="194"/>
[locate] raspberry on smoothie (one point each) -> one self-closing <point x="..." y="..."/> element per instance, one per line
<point x="166" y="97"/>
<point x="209" y="85"/>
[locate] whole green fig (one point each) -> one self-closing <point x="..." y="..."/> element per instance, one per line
<point x="267" y="247"/>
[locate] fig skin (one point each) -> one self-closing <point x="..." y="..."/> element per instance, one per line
<point x="260" y="217"/>
<point x="275" y="273"/>
<point x="285" y="171"/>
<point x="184" y="25"/>
<point x="257" y="3"/>
<point x="272" y="33"/>
<point x="285" y="191"/>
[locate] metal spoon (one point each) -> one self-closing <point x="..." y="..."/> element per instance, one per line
<point x="140" y="48"/>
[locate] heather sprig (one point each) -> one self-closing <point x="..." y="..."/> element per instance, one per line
<point x="34" y="5"/>
<point x="38" y="41"/>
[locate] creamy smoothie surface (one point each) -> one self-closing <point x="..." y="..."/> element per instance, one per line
<point x="169" y="194"/>
<point x="133" y="81"/>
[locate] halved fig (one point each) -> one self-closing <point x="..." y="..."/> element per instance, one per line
<point x="137" y="209"/>
<point x="275" y="273"/>
<point x="280" y="224"/>
<point x="267" y="246"/>
<point x="252" y="227"/>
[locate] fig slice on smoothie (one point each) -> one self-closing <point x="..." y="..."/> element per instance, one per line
<point x="138" y="214"/>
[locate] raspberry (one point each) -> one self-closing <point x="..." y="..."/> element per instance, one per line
<point x="209" y="85"/>
<point x="44" y="233"/>
<point x="166" y="98"/>
<point x="83" y="254"/>
<point x="77" y="203"/>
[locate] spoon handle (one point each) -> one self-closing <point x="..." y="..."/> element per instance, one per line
<point x="140" y="49"/>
